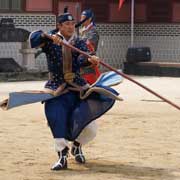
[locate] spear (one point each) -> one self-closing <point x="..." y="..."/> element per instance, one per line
<point x="115" y="70"/>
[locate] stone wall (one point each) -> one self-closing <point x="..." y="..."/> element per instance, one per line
<point x="30" y="22"/>
<point x="163" y="39"/>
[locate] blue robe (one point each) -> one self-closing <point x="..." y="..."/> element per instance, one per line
<point x="67" y="114"/>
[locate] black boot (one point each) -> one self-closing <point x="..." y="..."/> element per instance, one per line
<point x="76" y="151"/>
<point x="62" y="162"/>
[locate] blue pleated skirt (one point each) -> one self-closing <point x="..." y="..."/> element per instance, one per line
<point x="68" y="115"/>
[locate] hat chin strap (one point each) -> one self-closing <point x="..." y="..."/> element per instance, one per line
<point x="81" y="22"/>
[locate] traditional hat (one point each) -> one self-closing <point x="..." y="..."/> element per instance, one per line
<point x="88" y="13"/>
<point x="65" y="16"/>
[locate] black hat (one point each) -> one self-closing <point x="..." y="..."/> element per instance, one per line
<point x="88" y="13"/>
<point x="65" y="17"/>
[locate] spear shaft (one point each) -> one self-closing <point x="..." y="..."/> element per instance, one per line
<point x="120" y="73"/>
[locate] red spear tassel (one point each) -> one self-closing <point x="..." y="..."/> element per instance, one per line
<point x="120" y="73"/>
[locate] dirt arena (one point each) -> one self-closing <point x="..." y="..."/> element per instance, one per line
<point x="138" y="139"/>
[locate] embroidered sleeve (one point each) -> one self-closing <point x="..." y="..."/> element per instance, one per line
<point x="36" y="39"/>
<point x="92" y="40"/>
<point x="83" y="61"/>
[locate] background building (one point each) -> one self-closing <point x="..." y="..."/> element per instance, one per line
<point x="157" y="25"/>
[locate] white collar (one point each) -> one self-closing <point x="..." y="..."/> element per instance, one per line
<point x="64" y="40"/>
<point x="88" y="27"/>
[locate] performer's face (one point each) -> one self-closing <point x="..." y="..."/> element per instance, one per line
<point x="67" y="28"/>
<point x="87" y="22"/>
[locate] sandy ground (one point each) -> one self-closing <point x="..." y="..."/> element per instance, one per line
<point x="138" y="139"/>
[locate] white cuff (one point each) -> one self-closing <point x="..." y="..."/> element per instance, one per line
<point x="60" y="144"/>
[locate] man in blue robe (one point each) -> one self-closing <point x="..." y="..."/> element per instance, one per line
<point x="70" y="112"/>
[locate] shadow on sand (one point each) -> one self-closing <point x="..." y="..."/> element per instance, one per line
<point x="120" y="169"/>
